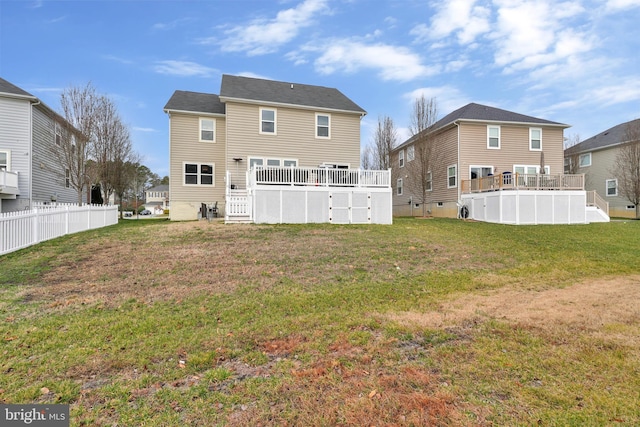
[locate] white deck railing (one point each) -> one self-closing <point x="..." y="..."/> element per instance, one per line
<point x="8" y="181"/>
<point x="25" y="228"/>
<point x="325" y="177"/>
<point x="520" y="181"/>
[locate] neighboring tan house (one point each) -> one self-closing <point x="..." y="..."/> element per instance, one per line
<point x="595" y="157"/>
<point x="29" y="173"/>
<point x="157" y="199"/>
<point x="475" y="141"/>
<point x="279" y="135"/>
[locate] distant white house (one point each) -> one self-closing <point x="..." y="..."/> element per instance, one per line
<point x="29" y="131"/>
<point x="157" y="199"/>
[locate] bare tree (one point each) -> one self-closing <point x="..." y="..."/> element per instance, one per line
<point x="73" y="148"/>
<point x="378" y="155"/>
<point x="627" y="165"/>
<point x="572" y="158"/>
<point x="424" y="164"/>
<point x="111" y="148"/>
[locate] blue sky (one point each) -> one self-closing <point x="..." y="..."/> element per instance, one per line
<point x="575" y="62"/>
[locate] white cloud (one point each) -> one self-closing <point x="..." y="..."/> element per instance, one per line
<point x="534" y="34"/>
<point x="162" y="26"/>
<point x="141" y="129"/>
<point x="448" y="98"/>
<point x="183" y="68"/>
<point x="462" y="17"/>
<point x="390" y="62"/>
<point x="618" y="5"/>
<point x="263" y="36"/>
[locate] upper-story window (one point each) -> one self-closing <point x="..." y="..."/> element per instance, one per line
<point x="411" y="153"/>
<point x="58" y="135"/>
<point x="268" y="121"/>
<point x="401" y="158"/>
<point x="584" y="160"/>
<point x="493" y="137"/>
<point x="535" y="139"/>
<point x="323" y="126"/>
<point x="207" y="130"/>
<point x="452" y="176"/>
<point x="4" y="160"/>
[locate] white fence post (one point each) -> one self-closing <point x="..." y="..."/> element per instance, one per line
<point x="43" y="222"/>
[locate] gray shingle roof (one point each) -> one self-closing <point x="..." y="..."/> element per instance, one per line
<point x="6" y="87"/>
<point x="481" y="112"/>
<point x="182" y="100"/>
<point x="161" y="187"/>
<point x="252" y="89"/>
<point x="611" y="136"/>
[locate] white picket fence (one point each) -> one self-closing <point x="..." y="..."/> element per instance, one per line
<point x="25" y="228"/>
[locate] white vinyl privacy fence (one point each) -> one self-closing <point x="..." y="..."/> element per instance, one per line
<point x="25" y="228"/>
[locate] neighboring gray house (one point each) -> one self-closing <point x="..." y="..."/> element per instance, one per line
<point x="216" y="141"/>
<point x="595" y="157"/>
<point x="29" y="130"/>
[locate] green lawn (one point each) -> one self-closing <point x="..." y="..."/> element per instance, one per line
<point x="425" y="322"/>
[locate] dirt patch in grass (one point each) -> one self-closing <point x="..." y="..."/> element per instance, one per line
<point x="587" y="306"/>
<point x="173" y="261"/>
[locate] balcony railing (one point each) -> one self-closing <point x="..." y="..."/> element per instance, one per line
<point x="8" y="182"/>
<point x="518" y="181"/>
<point x="319" y="177"/>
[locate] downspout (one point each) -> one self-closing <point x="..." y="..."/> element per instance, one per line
<point x="30" y="160"/>
<point x="458" y="166"/>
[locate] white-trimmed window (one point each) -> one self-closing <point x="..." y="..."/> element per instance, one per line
<point x="631" y="207"/>
<point x="323" y="126"/>
<point x="612" y="187"/>
<point x="452" y="176"/>
<point x="58" y="135"/>
<point x="584" y="160"/>
<point x="401" y="158"/>
<point x="269" y="161"/>
<point x="535" y="139"/>
<point x="429" y="181"/>
<point x="399" y="187"/>
<point x="493" y="137"/>
<point x="268" y="121"/>
<point x="530" y="169"/>
<point x="207" y="130"/>
<point x="411" y="153"/>
<point x="198" y="173"/>
<point x="67" y="178"/>
<point x="5" y="160"/>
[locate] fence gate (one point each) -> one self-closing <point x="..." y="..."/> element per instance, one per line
<point x="349" y="208"/>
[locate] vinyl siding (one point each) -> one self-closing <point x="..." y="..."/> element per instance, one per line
<point x="295" y="138"/>
<point x="185" y="147"/>
<point x="514" y="148"/>
<point x="446" y="141"/>
<point x="48" y="174"/>
<point x="14" y="137"/>
<point x="596" y="177"/>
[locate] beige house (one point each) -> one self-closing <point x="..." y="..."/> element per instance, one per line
<point x="216" y="140"/>
<point x="595" y="157"/>
<point x="471" y="143"/>
<point x="156" y="199"/>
